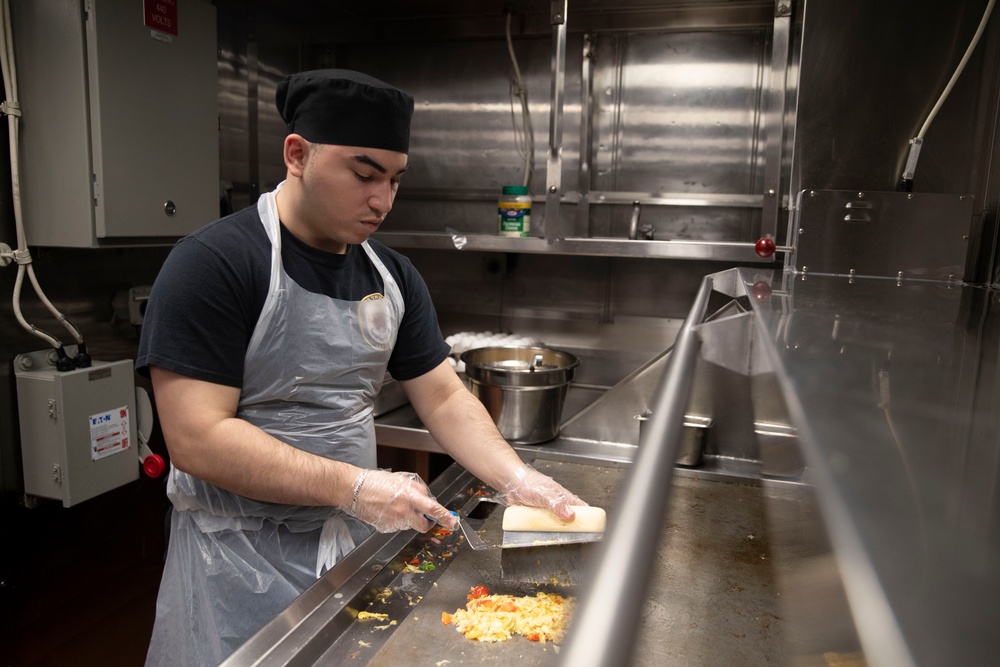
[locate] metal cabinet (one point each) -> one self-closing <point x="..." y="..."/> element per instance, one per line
<point x="119" y="127"/>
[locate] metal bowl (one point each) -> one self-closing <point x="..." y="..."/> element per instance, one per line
<point x="522" y="387"/>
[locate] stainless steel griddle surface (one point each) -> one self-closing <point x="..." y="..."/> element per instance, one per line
<point x="711" y="596"/>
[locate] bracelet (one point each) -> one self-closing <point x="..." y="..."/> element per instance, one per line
<point x="357" y="490"/>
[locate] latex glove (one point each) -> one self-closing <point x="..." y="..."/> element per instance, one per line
<point x="393" y="501"/>
<point x="529" y="487"/>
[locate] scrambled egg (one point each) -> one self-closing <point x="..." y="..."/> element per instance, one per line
<point x="367" y="615"/>
<point x="495" y="618"/>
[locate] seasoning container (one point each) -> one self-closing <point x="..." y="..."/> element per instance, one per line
<point x="514" y="211"/>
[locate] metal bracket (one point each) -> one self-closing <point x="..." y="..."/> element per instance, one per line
<point x="774" y="121"/>
<point x="558" y="9"/>
<point x="553" y="168"/>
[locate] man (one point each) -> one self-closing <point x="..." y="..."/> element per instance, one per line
<point x="267" y="336"/>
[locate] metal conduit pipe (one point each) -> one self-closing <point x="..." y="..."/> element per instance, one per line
<point x="605" y="622"/>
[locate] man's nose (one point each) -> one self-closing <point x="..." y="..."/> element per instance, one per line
<point x="381" y="199"/>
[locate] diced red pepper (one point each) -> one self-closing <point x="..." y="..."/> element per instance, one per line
<point x="478" y="592"/>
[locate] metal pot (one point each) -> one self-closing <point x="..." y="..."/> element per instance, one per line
<point x="692" y="444"/>
<point x="523" y="388"/>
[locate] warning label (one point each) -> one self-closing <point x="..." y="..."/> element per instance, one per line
<point x="161" y="15"/>
<point x="109" y="433"/>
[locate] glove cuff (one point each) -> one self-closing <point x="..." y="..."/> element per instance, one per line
<point x="357" y="491"/>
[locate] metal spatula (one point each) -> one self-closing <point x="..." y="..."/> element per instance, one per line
<point x="555" y="554"/>
<point x="472" y="537"/>
<point x="470" y="531"/>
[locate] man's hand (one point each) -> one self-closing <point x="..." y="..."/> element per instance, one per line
<point x="529" y="487"/>
<point x="392" y="501"/>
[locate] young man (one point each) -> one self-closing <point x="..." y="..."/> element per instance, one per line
<point x="267" y="336"/>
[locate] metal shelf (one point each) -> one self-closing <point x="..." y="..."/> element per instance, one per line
<point x="599" y="247"/>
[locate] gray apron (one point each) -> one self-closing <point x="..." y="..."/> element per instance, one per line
<point x="313" y="368"/>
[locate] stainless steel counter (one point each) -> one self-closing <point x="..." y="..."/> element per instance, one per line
<point x="711" y="599"/>
<point x="402" y="427"/>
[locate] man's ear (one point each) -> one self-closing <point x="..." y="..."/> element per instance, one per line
<point x="296" y="151"/>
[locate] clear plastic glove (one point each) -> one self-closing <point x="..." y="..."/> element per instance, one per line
<point x="393" y="501"/>
<point x="529" y="487"/>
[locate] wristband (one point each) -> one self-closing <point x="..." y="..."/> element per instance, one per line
<point x="357" y="490"/>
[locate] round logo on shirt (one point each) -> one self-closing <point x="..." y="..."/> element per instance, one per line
<point x="375" y="318"/>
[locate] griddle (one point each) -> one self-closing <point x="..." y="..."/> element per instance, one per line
<point x="416" y="600"/>
<point x="711" y="597"/>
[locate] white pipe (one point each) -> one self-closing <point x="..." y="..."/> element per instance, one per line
<point x="958" y="70"/>
<point x="529" y="138"/>
<point x="917" y="142"/>
<point x="22" y="254"/>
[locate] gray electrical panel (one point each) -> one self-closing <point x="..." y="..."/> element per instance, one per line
<point x="78" y="427"/>
<point x="119" y="127"/>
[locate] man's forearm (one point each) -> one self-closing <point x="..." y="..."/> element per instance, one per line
<point x="466" y="432"/>
<point x="239" y="457"/>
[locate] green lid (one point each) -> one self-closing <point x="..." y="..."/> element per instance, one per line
<point x="515" y="189"/>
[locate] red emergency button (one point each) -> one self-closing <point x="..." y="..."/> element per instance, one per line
<point x="764" y="247"/>
<point x="153" y="465"/>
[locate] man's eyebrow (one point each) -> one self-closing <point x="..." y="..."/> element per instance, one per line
<point x="364" y="159"/>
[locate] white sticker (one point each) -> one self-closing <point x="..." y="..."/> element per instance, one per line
<point x="109" y="433"/>
<point x="161" y="36"/>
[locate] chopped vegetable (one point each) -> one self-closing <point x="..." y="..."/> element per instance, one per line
<point x="478" y="592"/>
<point x="413" y="561"/>
<point x="427" y="566"/>
<point x="445" y="618"/>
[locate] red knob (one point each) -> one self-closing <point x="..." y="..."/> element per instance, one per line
<point x="153" y="465"/>
<point x="764" y="247"/>
<point x="761" y="290"/>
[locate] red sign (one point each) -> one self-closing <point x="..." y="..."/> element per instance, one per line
<point x="161" y="15"/>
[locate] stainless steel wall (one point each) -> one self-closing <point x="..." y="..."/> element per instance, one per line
<point x="678" y="112"/>
<point x="870" y="74"/>
<point x="677" y="88"/>
<point x="673" y="103"/>
<point x="668" y="98"/>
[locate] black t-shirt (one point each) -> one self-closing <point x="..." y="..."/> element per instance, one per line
<point x="209" y="294"/>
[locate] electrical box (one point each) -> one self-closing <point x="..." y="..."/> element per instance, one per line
<point x="78" y="430"/>
<point x="119" y="130"/>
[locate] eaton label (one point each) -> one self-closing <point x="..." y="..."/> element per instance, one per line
<point x="109" y="433"/>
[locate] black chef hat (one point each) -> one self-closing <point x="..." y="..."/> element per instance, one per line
<point x="338" y="106"/>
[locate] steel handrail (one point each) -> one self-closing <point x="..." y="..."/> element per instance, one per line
<point x="606" y="620"/>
